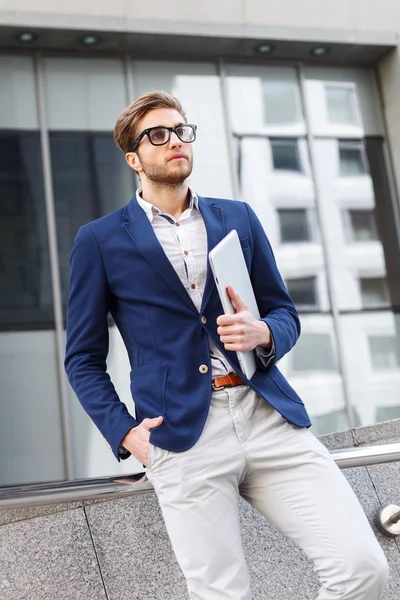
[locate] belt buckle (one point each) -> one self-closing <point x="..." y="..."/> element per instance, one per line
<point x="218" y="389"/>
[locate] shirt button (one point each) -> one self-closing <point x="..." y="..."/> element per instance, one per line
<point x="203" y="369"/>
<point x="177" y="224"/>
<point x="156" y="211"/>
<point x="203" y="320"/>
<point x="193" y="286"/>
<point x="185" y="252"/>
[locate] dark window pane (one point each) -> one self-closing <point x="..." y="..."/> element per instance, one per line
<point x="294" y="225"/>
<point x="303" y="292"/>
<point x="351" y="160"/>
<point x="374" y="292"/>
<point x="363" y="225"/>
<point x="25" y="299"/>
<point x="285" y="155"/>
<point x="90" y="178"/>
<point x="314" y="352"/>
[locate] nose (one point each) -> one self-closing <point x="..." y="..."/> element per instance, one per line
<point x="174" y="141"/>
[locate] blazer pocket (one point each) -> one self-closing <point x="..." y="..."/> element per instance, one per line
<point x="282" y="383"/>
<point x="148" y="386"/>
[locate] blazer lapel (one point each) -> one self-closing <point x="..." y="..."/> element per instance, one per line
<point x="140" y="230"/>
<point x="214" y="222"/>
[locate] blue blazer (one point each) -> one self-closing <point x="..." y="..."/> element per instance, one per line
<point x="118" y="266"/>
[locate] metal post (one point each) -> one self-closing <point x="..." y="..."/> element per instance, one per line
<point x="228" y="129"/>
<point x="326" y="251"/>
<point x="54" y="270"/>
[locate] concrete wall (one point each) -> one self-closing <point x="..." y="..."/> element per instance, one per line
<point x="348" y="15"/>
<point x="119" y="550"/>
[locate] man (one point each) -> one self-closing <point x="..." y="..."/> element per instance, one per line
<point x="205" y="432"/>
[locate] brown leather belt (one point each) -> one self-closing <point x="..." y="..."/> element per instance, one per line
<point x="227" y="381"/>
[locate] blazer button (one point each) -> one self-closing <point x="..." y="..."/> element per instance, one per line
<point x="203" y="369"/>
<point x="203" y="320"/>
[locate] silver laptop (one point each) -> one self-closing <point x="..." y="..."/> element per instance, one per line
<point x="229" y="268"/>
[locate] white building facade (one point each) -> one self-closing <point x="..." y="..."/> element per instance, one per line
<point x="307" y="143"/>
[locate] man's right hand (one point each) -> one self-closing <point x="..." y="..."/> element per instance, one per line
<point x="137" y="439"/>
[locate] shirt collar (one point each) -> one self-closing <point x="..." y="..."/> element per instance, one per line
<point x="150" y="209"/>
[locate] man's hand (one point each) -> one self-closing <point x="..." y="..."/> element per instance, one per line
<point x="137" y="439"/>
<point x="242" y="331"/>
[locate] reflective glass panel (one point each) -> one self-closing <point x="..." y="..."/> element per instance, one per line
<point x="198" y="88"/>
<point x="30" y="426"/>
<point x="358" y="215"/>
<point x="281" y="101"/>
<point x="84" y="98"/>
<point x="341" y="102"/>
<point x="273" y="161"/>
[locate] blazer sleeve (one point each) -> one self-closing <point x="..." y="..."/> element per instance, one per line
<point x="88" y="341"/>
<point x="274" y="303"/>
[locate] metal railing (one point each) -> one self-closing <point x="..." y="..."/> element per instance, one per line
<point x="106" y="488"/>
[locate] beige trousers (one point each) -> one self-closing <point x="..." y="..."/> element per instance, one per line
<point x="248" y="448"/>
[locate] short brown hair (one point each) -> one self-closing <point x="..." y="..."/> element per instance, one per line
<point x="125" y="130"/>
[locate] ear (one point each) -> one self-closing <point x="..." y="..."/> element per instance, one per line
<point x="132" y="158"/>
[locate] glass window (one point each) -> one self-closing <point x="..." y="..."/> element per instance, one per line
<point x="90" y="175"/>
<point x="25" y="299"/>
<point x="384" y="351"/>
<point x="281" y="104"/>
<point x="90" y="179"/>
<point x="374" y="292"/>
<point x="314" y="352"/>
<point x="198" y="87"/>
<point x="294" y="225"/>
<point x="362" y="226"/>
<point x="285" y="155"/>
<point x="303" y="292"/>
<point x="342" y="104"/>
<point x="30" y="426"/>
<point x="352" y="161"/>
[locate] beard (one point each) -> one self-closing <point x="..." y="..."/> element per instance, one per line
<point x="171" y="173"/>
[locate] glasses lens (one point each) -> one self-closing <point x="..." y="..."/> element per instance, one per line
<point x="186" y="133"/>
<point x="159" y="136"/>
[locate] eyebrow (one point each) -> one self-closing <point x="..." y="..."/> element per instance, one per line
<point x="167" y="126"/>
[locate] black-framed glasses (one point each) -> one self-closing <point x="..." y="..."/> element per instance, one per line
<point x="160" y="135"/>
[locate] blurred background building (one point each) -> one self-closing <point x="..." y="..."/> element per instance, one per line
<point x="297" y="104"/>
